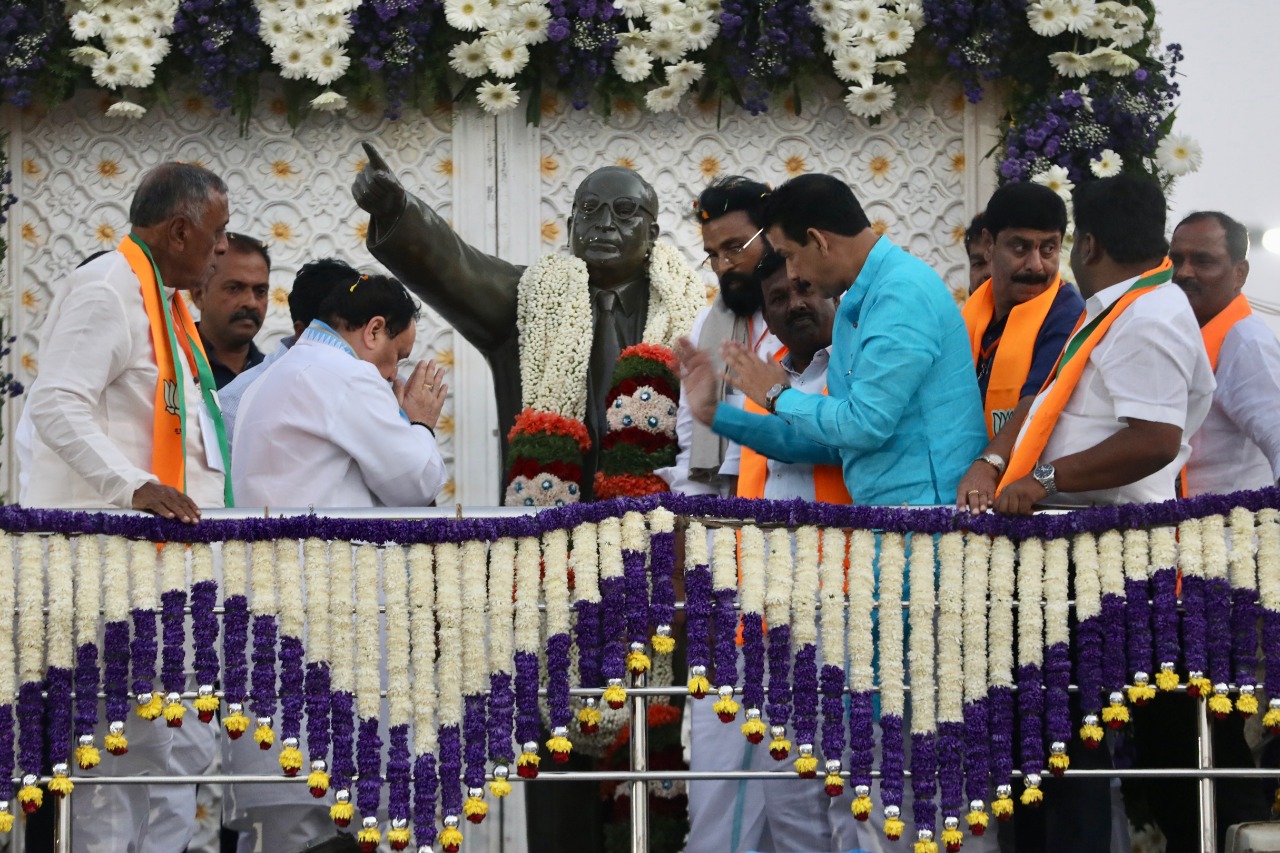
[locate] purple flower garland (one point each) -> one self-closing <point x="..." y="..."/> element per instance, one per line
<point x="264" y="666"/>
<point x="726" y="638"/>
<point x="806" y="693"/>
<point x="58" y="714"/>
<point x="143" y="650"/>
<point x="1137" y="618"/>
<point x="1113" y="643"/>
<point x="1000" y="703"/>
<point x="977" y="768"/>
<point x="369" y="765"/>
<point x="636" y="592"/>
<point x="204" y="631"/>
<point x="1089" y="634"/>
<point x="473" y="735"/>
<point x="586" y="628"/>
<point x="502" y="709"/>
<point x="451" y="770"/>
<point x="86" y="679"/>
<point x="1194" y="625"/>
<point x="778" y="708"/>
<point x="115" y="676"/>
<point x="831" y="681"/>
<point x="30" y="728"/>
<point x="235" y="644"/>
<point x="950" y="766"/>
<point x="173" y="660"/>
<point x="1057" y="677"/>
<point x="1164" y="615"/>
<point x="293" y="695"/>
<point x="1218" y="614"/>
<point x="425" y="788"/>
<point x="317" y="687"/>
<point x="753" y="660"/>
<point x="862" y="738"/>
<point x="342" y="707"/>
<point x="662" y="565"/>
<point x="399" y="775"/>
<point x="558" y="680"/>
<point x="1030" y="718"/>
<point x="528" y="719"/>
<point x="7" y="754"/>
<point x="924" y="779"/>
<point x="1245" y="612"/>
<point x="697" y="613"/>
<point x="891" y="760"/>
<point x="613" y="619"/>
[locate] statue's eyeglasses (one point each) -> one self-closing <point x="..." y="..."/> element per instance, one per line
<point x="621" y="208"/>
<point x="731" y="256"/>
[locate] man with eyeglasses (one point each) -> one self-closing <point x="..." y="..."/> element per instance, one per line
<point x="612" y="230"/>
<point x="732" y="235"/>
<point x="233" y="304"/>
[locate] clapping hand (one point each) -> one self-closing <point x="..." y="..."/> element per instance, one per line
<point x="697" y="380"/>
<point x="751" y="374"/>
<point x="376" y="189"/>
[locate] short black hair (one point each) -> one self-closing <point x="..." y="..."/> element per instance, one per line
<point x="173" y="189"/>
<point x="1025" y="205"/>
<point x="354" y="305"/>
<point x="770" y="263"/>
<point x="1237" y="234"/>
<point x="816" y="201"/>
<point x="974" y="231"/>
<point x="1125" y="215"/>
<point x="313" y="284"/>
<point x="729" y="194"/>
<point x="246" y="245"/>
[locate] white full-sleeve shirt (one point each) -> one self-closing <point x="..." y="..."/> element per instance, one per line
<point x="322" y="428"/>
<point x="1238" y="445"/>
<point x="1152" y="366"/>
<point x="92" y="405"/>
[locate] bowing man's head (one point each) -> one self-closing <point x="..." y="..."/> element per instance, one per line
<point x="375" y="315"/>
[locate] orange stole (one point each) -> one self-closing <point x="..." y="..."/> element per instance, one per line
<point x="753" y="470"/>
<point x="1066" y="374"/>
<point x="1015" y="351"/>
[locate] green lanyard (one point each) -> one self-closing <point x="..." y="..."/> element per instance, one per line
<point x="1082" y="335"/>
<point x="207" y="385"/>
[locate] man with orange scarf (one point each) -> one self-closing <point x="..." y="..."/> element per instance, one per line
<point x="125" y="414"/>
<point x="1018" y="320"/>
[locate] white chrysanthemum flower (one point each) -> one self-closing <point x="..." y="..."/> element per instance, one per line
<point x="912" y="11"/>
<point x="1128" y="15"/>
<point x="633" y="64"/>
<point x="505" y="53"/>
<point x="1048" y="17"/>
<point x="328" y="101"/>
<point x="829" y="14"/>
<point x="138" y="72"/>
<point x="891" y="68"/>
<point x="855" y="65"/>
<point x="84" y="25"/>
<point x="159" y="16"/>
<point x="629" y="8"/>
<point x="1070" y="64"/>
<point x="1101" y="28"/>
<point x="467" y="15"/>
<point x="278" y="31"/>
<point x="1056" y="179"/>
<point x="1106" y="165"/>
<point x="1085" y="100"/>
<point x="1126" y="35"/>
<point x="117" y="42"/>
<point x="497" y="98"/>
<point x="109" y="70"/>
<point x="530" y="20"/>
<point x="662" y="99"/>
<point x="1112" y="61"/>
<point x="836" y="40"/>
<point x="151" y="48"/>
<point x="701" y="29"/>
<point x="329" y="64"/>
<point x="126" y="109"/>
<point x="669" y="45"/>
<point x="335" y="29"/>
<point x="1081" y="14"/>
<point x="894" y="38"/>
<point x="1179" y="154"/>
<point x="870" y="100"/>
<point x="663" y="11"/>
<point x="293" y="61"/>
<point x="87" y="55"/>
<point x="631" y="37"/>
<point x="682" y="75"/>
<point x="866" y="16"/>
<point x="131" y="23"/>
<point x="467" y="58"/>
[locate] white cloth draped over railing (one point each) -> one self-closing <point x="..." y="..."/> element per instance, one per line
<point x="458" y="624"/>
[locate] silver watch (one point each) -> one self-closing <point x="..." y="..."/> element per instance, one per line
<point x="1044" y="474"/>
<point x="771" y="397"/>
<point x="995" y="460"/>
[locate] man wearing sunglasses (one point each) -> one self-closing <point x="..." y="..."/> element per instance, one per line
<point x="728" y="212"/>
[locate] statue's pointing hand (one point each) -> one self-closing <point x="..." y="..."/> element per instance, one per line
<point x="376" y="189"/>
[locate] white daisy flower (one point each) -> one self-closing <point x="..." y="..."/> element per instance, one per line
<point x="1048" y="17"/>
<point x="151" y="48"/>
<point x="1085" y="100"/>
<point x="629" y="8"/>
<point x="467" y="15"/>
<point x="131" y="23"/>
<point x="84" y="25"/>
<point x="700" y="28"/>
<point x="633" y="64"/>
<point x="87" y="55"/>
<point x="467" y="58"/>
<point x="1127" y="15"/>
<point x="891" y="68"/>
<point x="126" y="109"/>
<point x="292" y="60"/>
<point x="1126" y="35"/>
<point x="663" y="11"/>
<point x="912" y="11"/>
<point x="1056" y="179"/>
<point x="829" y="14"/>
<point x="631" y="37"/>
<point x="159" y="16"/>
<point x="1114" y="62"/>
<point x="1107" y="164"/>
<point x="505" y="53"/>
<point x="530" y="20"/>
<point x="662" y="99"/>
<point x="712" y="6"/>
<point x="138" y="72"/>
<point x="117" y="42"/>
<point x="328" y="101"/>
<point x="109" y="70"/>
<point x="277" y="31"/>
<point x="855" y="65"/>
<point x="682" y="75"/>
<point x="1070" y="64"/>
<point x="669" y="45"/>
<point x="866" y="16"/>
<point x="497" y="98"/>
<point x="1101" y="28"/>
<point x="1179" y="154"/>
<point x="334" y="29"/>
<point x="834" y="41"/>
<point x="1080" y="14"/>
<point x="870" y="100"/>
<point x="894" y="38"/>
<point x="328" y="65"/>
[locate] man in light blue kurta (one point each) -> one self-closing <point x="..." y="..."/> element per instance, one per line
<point x="903" y="415"/>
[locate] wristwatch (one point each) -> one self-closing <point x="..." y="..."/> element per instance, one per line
<point x="1044" y="474"/>
<point x="995" y="460"/>
<point x="771" y="397"/>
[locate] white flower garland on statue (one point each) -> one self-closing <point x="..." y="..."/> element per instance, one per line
<point x="553" y="317"/>
<point x="134" y="37"/>
<point x="307" y="41"/>
<point x="422" y="645"/>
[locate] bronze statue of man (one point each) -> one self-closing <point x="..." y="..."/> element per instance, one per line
<point x="612" y="229"/>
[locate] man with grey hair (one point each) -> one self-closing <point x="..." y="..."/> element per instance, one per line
<point x="125" y="414"/>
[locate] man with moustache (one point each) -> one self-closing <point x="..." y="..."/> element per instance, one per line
<point x="232" y="307"/>
<point x="728" y="212"/>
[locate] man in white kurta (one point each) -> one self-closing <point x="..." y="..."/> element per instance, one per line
<point x="91" y="411"/>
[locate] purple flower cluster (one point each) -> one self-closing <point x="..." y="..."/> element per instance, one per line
<point x="143" y="650"/>
<point x="558" y="680"/>
<point x="343" y="709"/>
<point x="204" y="630"/>
<point x="173" y="661"/>
<point x="28" y="30"/>
<point x="369" y="765"/>
<point x="264" y="665"/>
<point x="58" y="714"/>
<point x="975" y="36"/>
<point x="1271" y="650"/>
<point x="502" y="709"/>
<point x="1195" y="628"/>
<point x="778" y="709"/>
<point x="753" y="658"/>
<point x="451" y="770"/>
<point x="399" y="773"/>
<point x="1113" y="643"/>
<point x="235" y="644"/>
<point x="473" y="736"/>
<point x="891" y="760"/>
<point x="1057" y="677"/>
<point x="392" y="39"/>
<point x="585" y="35"/>
<point x="1218" y="614"/>
<point x="115" y="675"/>
<point x="613" y="624"/>
<point x="1000" y="701"/>
<point x="425" y="787"/>
<point x="951" y="766"/>
<point x="7" y="754"/>
<point x="528" y="720"/>
<point x="924" y="779"/>
<point x="636" y="590"/>
<point x="586" y="629"/>
<point x="220" y="39"/>
<point x="293" y="694"/>
<point x="1244" y="634"/>
<point x="1137" y="618"/>
<point x="831" y="682"/>
<point x="771" y="40"/>
<point x="1089" y="633"/>
<point x="806" y="693"/>
<point x="726" y="638"/>
<point x="862" y="737"/>
<point x="86" y="689"/>
<point x="698" y="606"/>
<point x="1030" y="718"/>
<point x="1164" y="607"/>
<point x="977" y="768"/>
<point x="317" y="688"/>
<point x="30" y="727"/>
<point x="662" y="566"/>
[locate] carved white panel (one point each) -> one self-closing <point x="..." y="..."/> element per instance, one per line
<point x="75" y="171"/>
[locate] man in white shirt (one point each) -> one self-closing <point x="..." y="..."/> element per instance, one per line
<point x="93" y="445"/>
<point x="329" y="425"/>
<point x="311" y="286"/>
<point x="1238" y="446"/>
<point x="729" y="213"/>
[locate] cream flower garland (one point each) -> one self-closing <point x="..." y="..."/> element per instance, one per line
<point x="289" y="581"/>
<point x="201" y="562"/>
<point x="1056" y="604"/>
<point x="831" y="595"/>
<point x="920" y="654"/>
<point x="367" y="645"/>
<point x="1190" y="548"/>
<point x="1030" y="602"/>
<point x="778" y="579"/>
<point x="555" y="580"/>
<point x="1213" y="541"/>
<point x="235" y="568"/>
<point x="862" y="588"/>
<point x="8" y="601"/>
<point x="88" y="594"/>
<point x="31" y="625"/>
<point x="395" y="585"/>
<point x="262" y="578"/>
<point x="527" y="621"/>
<point x="892" y="564"/>
<point x="553" y="317"/>
<point x="724" y="575"/>
<point x="753" y="573"/>
<point x="951" y="628"/>
<point x="804" y="592"/>
<point x="502" y="573"/>
<point x="115" y="579"/>
<point x="585" y="560"/>
<point x="1269" y="559"/>
<point x="342" y="664"/>
<point x="977" y="555"/>
<point x="315" y="563"/>
<point x="142" y="575"/>
<point x="1244" y="573"/>
<point x="1137" y="568"/>
<point x="450" y="637"/>
<point x="475" y="663"/>
<point x="60" y="651"/>
<point x="1000" y="624"/>
<point x="1084" y="552"/>
<point x="422" y="644"/>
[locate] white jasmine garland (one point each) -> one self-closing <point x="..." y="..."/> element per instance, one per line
<point x="31" y="627"/>
<point x="235" y="567"/>
<point x="502" y="573"/>
<point x="315" y="568"/>
<point x="892" y="564"/>
<point x="88" y="594"/>
<point x="1030" y="602"/>
<point x="920" y="653"/>
<point x="553" y="316"/>
<point x="977" y="555"/>
<point x="862" y="593"/>
<point x="634" y="537"/>
<point x="262" y="578"/>
<point x="395" y="585"/>
<point x="585" y="560"/>
<point x="201" y="562"/>
<point x="342" y="648"/>
<point x="951" y="628"/>
<point x="1137" y="556"/>
<point x="753" y="570"/>
<point x="289" y="579"/>
<point x="831" y="595"/>
<point x="475" y="663"/>
<point x="1000" y="624"/>
<point x="60" y="651"/>
<point x="778" y="580"/>
<point x="367" y="645"/>
<point x="1190" y="549"/>
<point x="449" y="616"/>
<point x="1111" y="563"/>
<point x="8" y="601"/>
<point x="695" y="545"/>
<point x="527" y="622"/>
<point x="804" y="592"/>
<point x="555" y="580"/>
<point x="422" y="645"/>
<point x="173" y="566"/>
<point x="115" y="579"/>
<point x="1213" y="541"/>
<point x="724" y="559"/>
<point x="1056" y="613"/>
<point x="1243" y="569"/>
<point x="1084" y="553"/>
<point x="1269" y="559"/>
